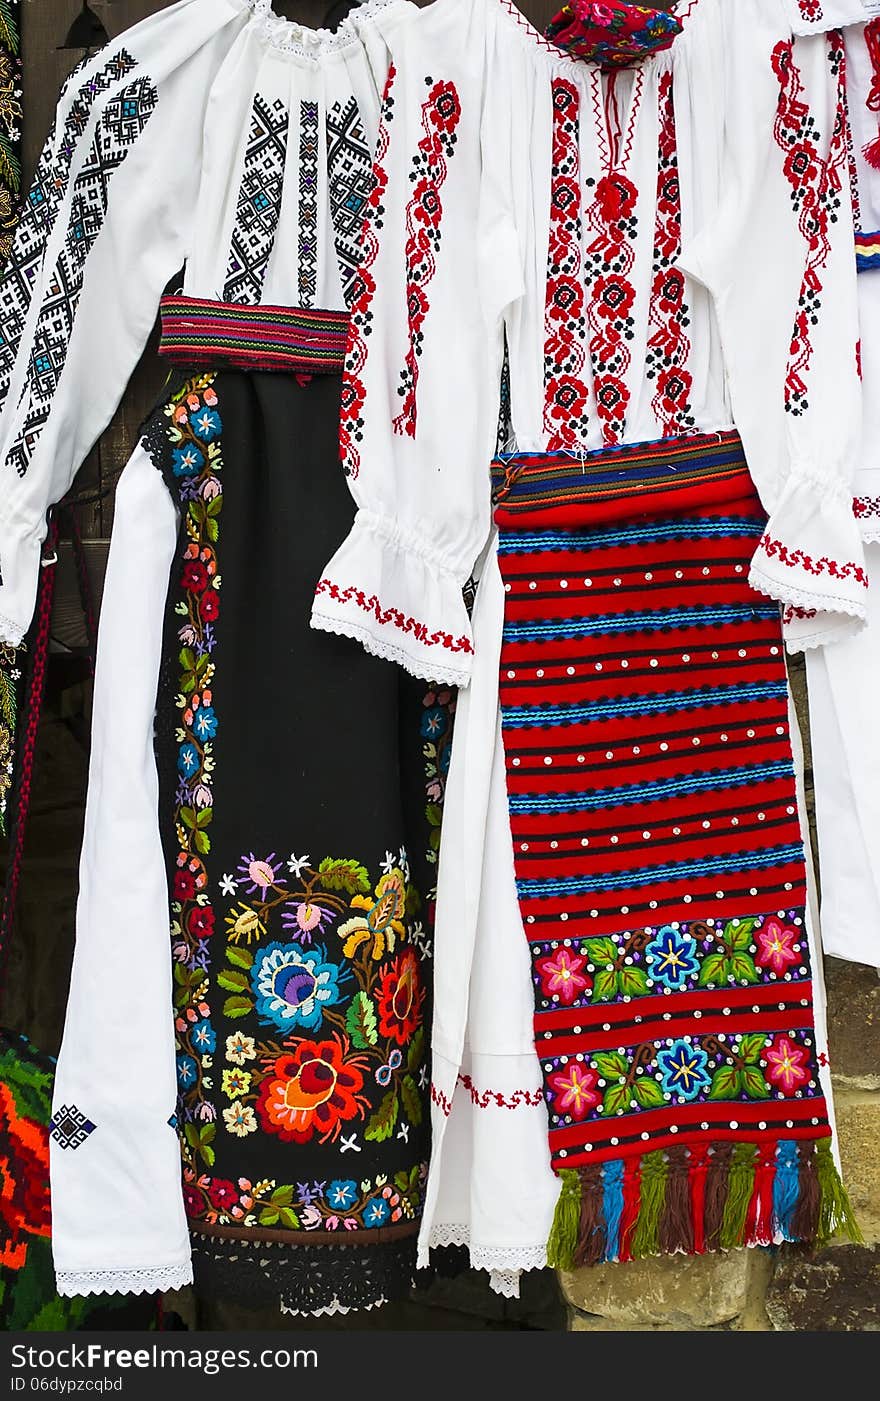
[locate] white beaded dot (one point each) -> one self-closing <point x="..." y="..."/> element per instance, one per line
<point x="563" y="583"/>
<point x="533" y="585"/>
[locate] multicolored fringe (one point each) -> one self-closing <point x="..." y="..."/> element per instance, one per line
<point x="867" y="251"/>
<point x="226" y="335"/>
<point x="659" y="856"/>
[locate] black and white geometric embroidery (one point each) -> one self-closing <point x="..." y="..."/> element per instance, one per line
<point x="308" y="203"/>
<point x="45" y="198"/>
<point x="124" y="118"/>
<point x="350" y="177"/>
<point x="70" y="1128"/>
<point x="259" y="202"/>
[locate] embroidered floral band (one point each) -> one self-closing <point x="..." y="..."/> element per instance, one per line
<point x="659" y="856"/>
<point x="867" y="251"/>
<point x="223" y="335"/>
<point x="612" y="34"/>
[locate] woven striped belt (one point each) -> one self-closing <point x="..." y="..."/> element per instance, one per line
<point x="225" y="335"/>
<point x="867" y="251"/>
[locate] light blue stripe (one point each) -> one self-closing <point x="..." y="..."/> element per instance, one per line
<point x="786" y="1188"/>
<point x="612" y="1206"/>
<point x="513" y="542"/>
<point x="673" y="870"/>
<point x="659" y="619"/>
<point x="518" y="717"/>
<point x="716" y="780"/>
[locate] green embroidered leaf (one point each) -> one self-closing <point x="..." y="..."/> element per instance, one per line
<point x="232" y="980"/>
<point x="241" y="958"/>
<point x="605" y="985"/>
<point x="268" y="1217"/>
<point x="205" y="818"/>
<point x="289" y="1218"/>
<point x="743" y="968"/>
<point x="416" y="1052"/>
<point x="434" y="839"/>
<point x="237" y="1006"/>
<point x="207" y="1133"/>
<point x="401" y="1181"/>
<point x="282" y="1196"/>
<point x="7" y="699"/>
<point x="738" y="934"/>
<point x="212" y="530"/>
<point x="360" y="1022"/>
<point x="411" y="1101"/>
<point x="188" y="818"/>
<point x="197" y="511"/>
<point x="188" y="683"/>
<point x="414" y="899"/>
<point x="714" y="970"/>
<point x="349" y="876"/>
<point x="648" y="1093"/>
<point x="726" y="1083"/>
<point x="434" y="814"/>
<point x="384" y="1121"/>
<point x="753" y="1082"/>
<point x="191" y="1134"/>
<point x="8" y="31"/>
<point x="207" y="1154"/>
<point x="616" y="1097"/>
<point x="751" y="1047"/>
<point x="215" y="506"/>
<point x="202" y="843"/>
<point x="633" y="982"/>
<point x="610" y="1064"/>
<point x="188" y="659"/>
<point x="601" y="952"/>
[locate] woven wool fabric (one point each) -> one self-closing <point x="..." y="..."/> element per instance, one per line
<point x="234" y="336"/>
<point x="659" y="856"/>
<point x="612" y="34"/>
<point x="867" y="251"/>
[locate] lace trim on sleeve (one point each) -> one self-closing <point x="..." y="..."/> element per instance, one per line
<point x="155" y="1280"/>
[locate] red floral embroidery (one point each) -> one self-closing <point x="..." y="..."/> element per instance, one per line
<point x="420" y="631"/>
<point x="866" y="506"/>
<point x="811" y="10"/>
<point x="610" y="258"/>
<point x="441" y="114"/>
<point x="798" y="559"/>
<point x="351" y="421"/>
<point x="669" y="345"/>
<point x="565" y="392"/>
<point x="816" y="185"/>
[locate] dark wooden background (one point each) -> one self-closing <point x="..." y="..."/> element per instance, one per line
<point x="45" y="26"/>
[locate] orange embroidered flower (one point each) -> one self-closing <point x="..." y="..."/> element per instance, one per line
<point x="383" y="922"/>
<point x="312" y="1092"/>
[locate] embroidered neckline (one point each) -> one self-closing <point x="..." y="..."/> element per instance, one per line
<point x="290" y="36"/>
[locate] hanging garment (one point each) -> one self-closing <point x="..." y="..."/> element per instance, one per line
<point x="659" y="856"/>
<point x="639" y="234"/>
<point x="280" y="1110"/>
<point x="843" y="678"/>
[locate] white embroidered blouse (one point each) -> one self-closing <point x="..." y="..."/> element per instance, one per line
<point x="216" y="135"/>
<point x="667" y="252"/>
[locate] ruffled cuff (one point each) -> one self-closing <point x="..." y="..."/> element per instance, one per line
<point x="811" y="560"/>
<point x="19" y="577"/>
<point x="391" y="592"/>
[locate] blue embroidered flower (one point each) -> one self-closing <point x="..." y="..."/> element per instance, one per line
<point x="292" y="985"/>
<point x="672" y="958"/>
<point x="187" y="1073"/>
<point x="207" y="424"/>
<point x="205" y="723"/>
<point x="434" y="722"/>
<point x="341" y="1196"/>
<point x="376" y="1212"/>
<point x="684" y="1070"/>
<point x="188" y="761"/>
<point x="204" y="1037"/>
<point x="187" y="461"/>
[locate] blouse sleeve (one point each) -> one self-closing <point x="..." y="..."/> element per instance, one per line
<point x="105" y="225"/>
<point x="421" y="385"/>
<point x="780" y="262"/>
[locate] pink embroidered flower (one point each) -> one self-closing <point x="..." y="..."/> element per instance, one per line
<point x="561" y="975"/>
<point x="574" y="1090"/>
<point x="210" y="488"/>
<point x="777" y="946"/>
<point x="786" y="1065"/>
<point x="600" y="14"/>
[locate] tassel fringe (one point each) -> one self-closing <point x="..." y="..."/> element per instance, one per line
<point x="871" y="152"/>
<point x="695" y="1200"/>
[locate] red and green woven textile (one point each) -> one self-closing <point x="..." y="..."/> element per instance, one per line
<point x="659" y="855"/>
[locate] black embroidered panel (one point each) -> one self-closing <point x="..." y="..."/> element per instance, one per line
<point x="259" y="202"/>
<point x="308" y="203"/>
<point x="350" y="176"/>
